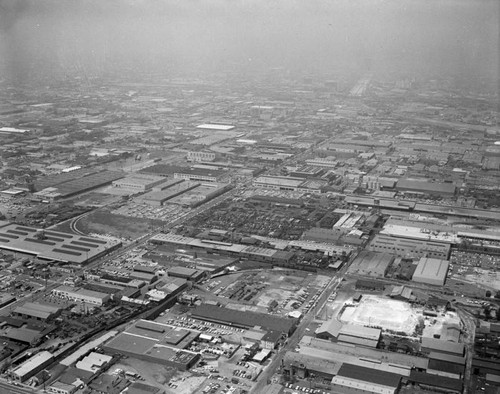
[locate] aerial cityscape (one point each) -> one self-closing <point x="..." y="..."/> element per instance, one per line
<point x="249" y="197"/>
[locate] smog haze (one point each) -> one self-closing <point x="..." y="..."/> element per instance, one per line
<point x="457" y="38"/>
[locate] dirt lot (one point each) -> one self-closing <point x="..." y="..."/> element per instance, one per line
<point x="116" y="225"/>
<point x="382" y="312"/>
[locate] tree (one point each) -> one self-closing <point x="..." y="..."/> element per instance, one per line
<point x="488" y="293"/>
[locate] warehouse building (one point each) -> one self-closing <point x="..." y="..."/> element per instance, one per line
<point x="31" y="366"/>
<point x="370" y="263"/>
<point x="54" y="245"/>
<point x="200" y="156"/>
<point x="81" y="295"/>
<point x="156" y="343"/>
<point x="450" y="364"/>
<point x="216" y="127"/>
<point x="159" y="197"/>
<point x="36" y="311"/>
<point x="139" y="182"/>
<point x="199" y="174"/>
<point x="359" y="335"/>
<point x="358" y="379"/>
<point x="433" y="382"/>
<point x="334" y="330"/>
<point x="397" y="363"/>
<point x="225" y="248"/>
<point x="429" y="345"/>
<point x="485" y="366"/>
<point x="426" y="187"/>
<point x="431" y="271"/>
<point x="278" y="183"/>
<point x="244" y="319"/>
<point x="186" y="273"/>
<point x="79" y="185"/>
<point x="302" y="366"/>
<point x="408" y="247"/>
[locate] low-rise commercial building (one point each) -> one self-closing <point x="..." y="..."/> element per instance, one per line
<point x="409" y="247"/>
<point x="36" y="311"/>
<point x="81" y="295"/>
<point x="31" y="366"/>
<point x="200" y="156"/>
<point x="139" y="182"/>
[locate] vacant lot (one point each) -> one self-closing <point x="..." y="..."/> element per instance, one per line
<point x="116" y="225"/>
<point x="382" y="312"/>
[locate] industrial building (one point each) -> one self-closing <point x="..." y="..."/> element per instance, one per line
<point x="244" y="319"/>
<point x="155" y="343"/>
<point x="81" y="295"/>
<point x="36" y="311"/>
<point x="336" y="331"/>
<point x="426" y="187"/>
<point x="139" y="182"/>
<point x="200" y="156"/>
<point x="159" y="197"/>
<point x="79" y="185"/>
<point x="432" y="381"/>
<point x="451" y="364"/>
<point x="225" y="248"/>
<point x="200" y="174"/>
<point x="186" y="273"/>
<point x="429" y="345"/>
<point x="201" y="194"/>
<point x="54" y="245"/>
<point x="217" y="127"/>
<point x="359" y="335"/>
<point x="358" y="379"/>
<point x="31" y="366"/>
<point x="301" y="365"/>
<point x="307" y="172"/>
<point x="374" y="264"/>
<point x="431" y="271"/>
<point x="409" y="247"/>
<point x="278" y="183"/>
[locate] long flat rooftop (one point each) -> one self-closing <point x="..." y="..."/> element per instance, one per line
<point x="53" y="245"/>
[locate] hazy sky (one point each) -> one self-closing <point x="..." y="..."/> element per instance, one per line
<point x="445" y="37"/>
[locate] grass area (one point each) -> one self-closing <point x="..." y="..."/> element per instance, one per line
<point x="102" y="222"/>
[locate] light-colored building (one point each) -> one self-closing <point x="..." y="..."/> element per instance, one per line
<point x="31" y="366"/>
<point x="409" y="247"/>
<point x="278" y="183"/>
<point x="431" y="271"/>
<point x="140" y="183"/>
<point x="216" y="127"/>
<point x="200" y="156"/>
<point x="81" y="295"/>
<point x="61" y="388"/>
<point x="94" y="362"/>
<point x="199" y="174"/>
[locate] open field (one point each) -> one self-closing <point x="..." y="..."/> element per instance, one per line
<point x="116" y="225"/>
<point x="382" y="312"/>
